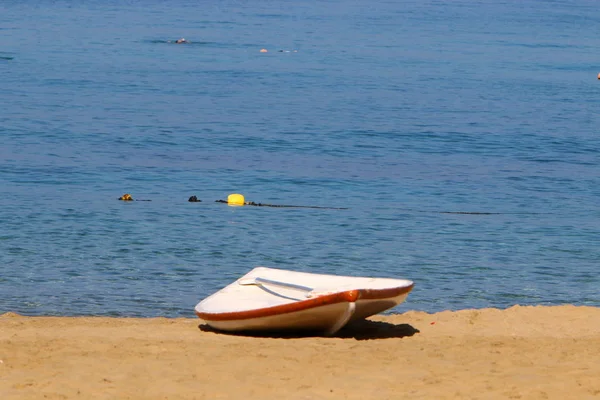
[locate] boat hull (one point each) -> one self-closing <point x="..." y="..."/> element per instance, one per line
<point x="243" y="307"/>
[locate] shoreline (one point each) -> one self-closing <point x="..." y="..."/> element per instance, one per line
<point x="528" y="352"/>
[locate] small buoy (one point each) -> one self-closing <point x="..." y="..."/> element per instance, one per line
<point x="598" y="76"/>
<point x="126" y="197"/>
<point x="264" y="50"/>
<point x="235" y="200"/>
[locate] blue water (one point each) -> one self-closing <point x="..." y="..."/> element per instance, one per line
<point x="402" y="111"/>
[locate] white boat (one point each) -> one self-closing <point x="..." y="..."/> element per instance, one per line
<point x="269" y="299"/>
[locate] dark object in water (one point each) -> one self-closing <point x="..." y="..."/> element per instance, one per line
<point x="194" y="199"/>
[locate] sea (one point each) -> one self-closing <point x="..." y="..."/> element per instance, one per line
<point x="452" y="143"/>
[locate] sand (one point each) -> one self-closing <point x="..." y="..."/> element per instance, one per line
<point x="517" y="353"/>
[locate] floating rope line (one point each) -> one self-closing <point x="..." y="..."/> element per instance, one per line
<point x="471" y="212"/>
<point x="251" y="203"/>
<point x="237" y="199"/>
<point x="468" y="212"/>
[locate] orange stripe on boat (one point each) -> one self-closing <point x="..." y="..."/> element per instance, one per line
<point x="348" y="296"/>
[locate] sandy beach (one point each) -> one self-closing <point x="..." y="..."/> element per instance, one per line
<point x="517" y="353"/>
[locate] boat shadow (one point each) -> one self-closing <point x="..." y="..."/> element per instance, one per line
<point x="367" y="329"/>
<point x="358" y="330"/>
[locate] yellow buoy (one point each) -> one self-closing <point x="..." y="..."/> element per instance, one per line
<point x="235" y="200"/>
<point x="598" y="76"/>
<point x="264" y="50"/>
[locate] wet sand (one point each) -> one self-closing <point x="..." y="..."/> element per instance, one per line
<point x="518" y="353"/>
